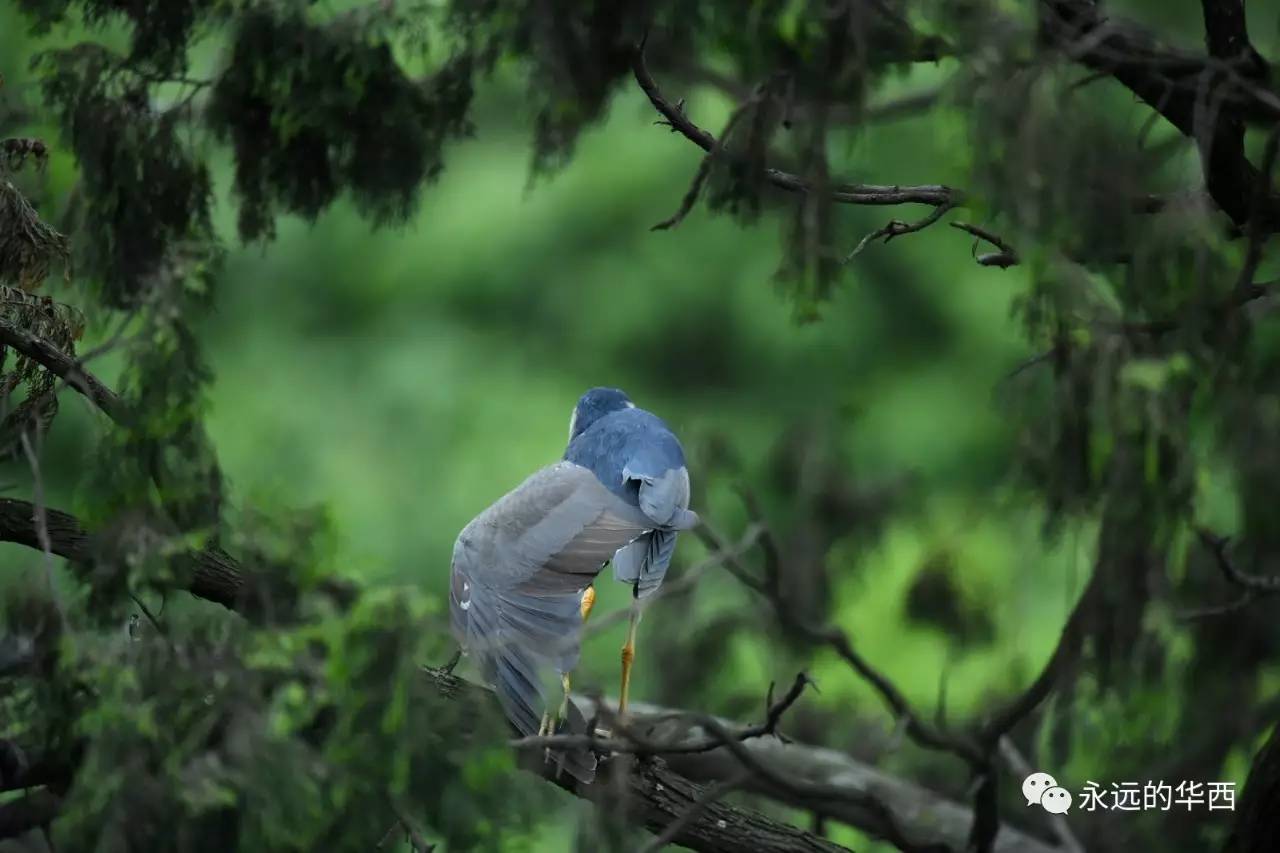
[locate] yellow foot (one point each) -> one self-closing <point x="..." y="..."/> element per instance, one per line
<point x="588" y="601"/>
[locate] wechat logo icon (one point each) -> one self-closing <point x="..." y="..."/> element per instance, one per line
<point x="1043" y="790"/>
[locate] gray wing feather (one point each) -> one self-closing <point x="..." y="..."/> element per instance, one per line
<point x="664" y="499"/>
<point x="560" y="520"/>
<point x="644" y="562"/>
<point x="518" y="573"/>
<point x="661" y="496"/>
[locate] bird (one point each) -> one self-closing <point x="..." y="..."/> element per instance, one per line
<point x="522" y="571"/>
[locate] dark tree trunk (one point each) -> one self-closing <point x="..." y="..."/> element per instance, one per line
<point x="1257" y="828"/>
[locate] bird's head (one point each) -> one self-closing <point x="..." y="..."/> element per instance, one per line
<point x="594" y="405"/>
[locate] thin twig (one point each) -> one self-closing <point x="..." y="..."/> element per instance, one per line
<point x="1004" y="258"/>
<point x="1217" y="546"/>
<point x="41" y="517"/>
<point x="897" y="228"/>
<point x="704" y="167"/>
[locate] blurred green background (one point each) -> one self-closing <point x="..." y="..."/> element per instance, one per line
<point x="404" y="379"/>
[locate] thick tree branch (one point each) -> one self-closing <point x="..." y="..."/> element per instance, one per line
<point x="924" y="819"/>
<point x="655" y="796"/>
<point x="216" y="575"/>
<point x="1205" y="99"/>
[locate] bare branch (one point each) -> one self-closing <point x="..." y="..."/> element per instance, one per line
<point x="867" y="194"/>
<point x="1004" y="258"/>
<point x="704" y="167"/>
<point x="897" y="228"/>
<point x="1217" y="546"/>
<point x="913" y="723"/>
<point x="1169" y="80"/>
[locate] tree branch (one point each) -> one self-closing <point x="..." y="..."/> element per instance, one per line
<point x="1174" y="83"/>
<point x="216" y="577"/>
<point x="866" y="194"/>
<point x="924" y="819"/>
<point x="1004" y="258"/>
<point x="1252" y="584"/>
<point x="665" y="802"/>
<point x="64" y="367"/>
<point x="656" y="797"/>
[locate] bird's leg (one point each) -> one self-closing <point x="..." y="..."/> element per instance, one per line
<point x="549" y="722"/>
<point x="629" y="650"/>
<point x="588" y="602"/>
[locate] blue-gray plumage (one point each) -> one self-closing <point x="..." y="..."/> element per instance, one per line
<point x="634" y="454"/>
<point x="521" y="567"/>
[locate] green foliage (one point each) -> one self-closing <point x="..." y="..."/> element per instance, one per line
<point x="59" y="324"/>
<point x="144" y="193"/>
<point x="28" y="245"/>
<point x="212" y="736"/>
<point x="311" y="110"/>
<point x="161" y="28"/>
<point x="400" y="380"/>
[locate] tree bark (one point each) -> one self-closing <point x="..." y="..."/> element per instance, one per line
<point x="1257" y="826"/>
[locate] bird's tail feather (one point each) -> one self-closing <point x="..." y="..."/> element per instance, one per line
<point x="521" y="647"/>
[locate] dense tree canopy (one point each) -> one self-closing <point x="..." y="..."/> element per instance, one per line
<point x="186" y="665"/>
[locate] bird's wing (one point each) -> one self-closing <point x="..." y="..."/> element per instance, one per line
<point x="663" y="497"/>
<point x="550" y="534"/>
<point x="518" y="573"/>
<point x="663" y="493"/>
<point x="643" y="564"/>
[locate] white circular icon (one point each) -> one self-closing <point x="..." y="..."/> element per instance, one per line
<point x="1056" y="800"/>
<point x="1034" y="786"/>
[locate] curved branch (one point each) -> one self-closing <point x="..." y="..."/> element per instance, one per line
<point x="64" y="367"/>
<point x="1172" y="84"/>
<point x="936" y="195"/>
